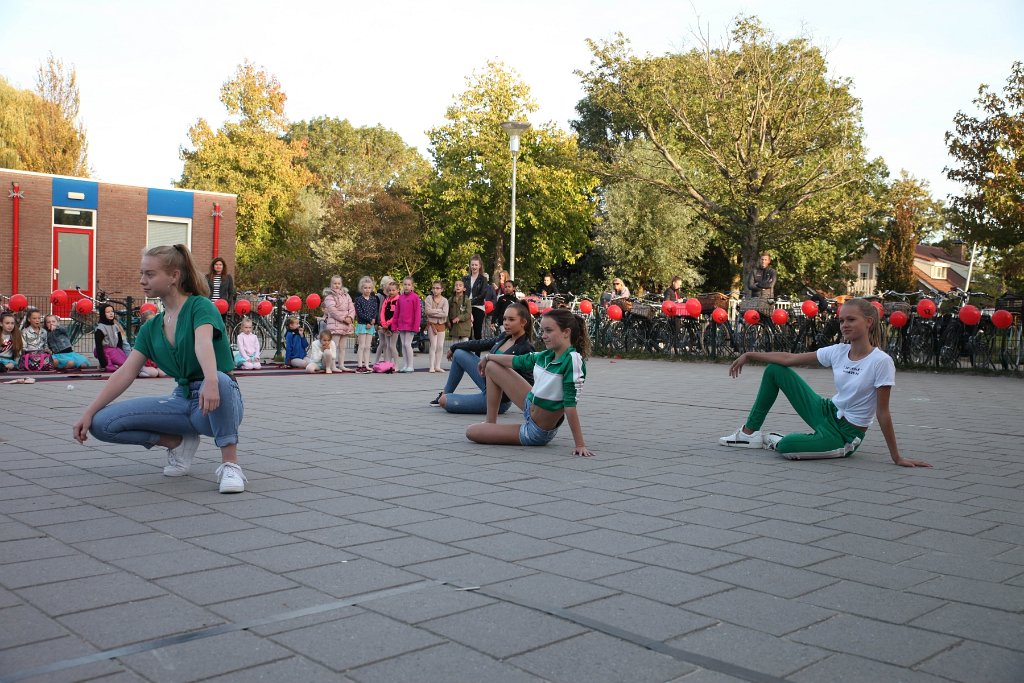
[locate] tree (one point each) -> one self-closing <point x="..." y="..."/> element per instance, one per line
<point x="990" y="164"/>
<point x="756" y="138"/>
<point x="467" y="204"/>
<point x="248" y="156"/>
<point x="912" y="215"/>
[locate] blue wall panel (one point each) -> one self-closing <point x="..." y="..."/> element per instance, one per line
<point x="170" y="203"/>
<point x="62" y="186"/>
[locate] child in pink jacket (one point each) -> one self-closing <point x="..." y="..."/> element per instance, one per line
<point x="339" y="314"/>
<point x="408" y="311"/>
<point x="247" y="357"/>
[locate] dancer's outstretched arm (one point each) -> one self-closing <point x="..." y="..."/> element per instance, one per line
<point x="777" y="357"/>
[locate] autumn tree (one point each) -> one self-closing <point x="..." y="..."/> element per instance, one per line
<point x="467" y="204"/>
<point x="754" y="134"/>
<point x="248" y="156"/>
<point x="912" y="216"/>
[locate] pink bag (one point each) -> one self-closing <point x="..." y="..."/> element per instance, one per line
<point x="383" y="366"/>
<point x="37" y="361"/>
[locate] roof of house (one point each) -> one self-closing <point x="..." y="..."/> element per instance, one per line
<point x="932" y="253"/>
<point x="953" y="279"/>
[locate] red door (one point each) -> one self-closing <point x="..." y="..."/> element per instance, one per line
<point x="72" y="264"/>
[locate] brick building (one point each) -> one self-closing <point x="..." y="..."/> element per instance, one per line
<point x="75" y="231"/>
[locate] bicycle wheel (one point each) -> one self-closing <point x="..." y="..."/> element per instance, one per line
<point x="1013" y="349"/>
<point x="949" y="344"/>
<point x="614" y="335"/>
<point x="757" y="338"/>
<point x="662" y="341"/>
<point x="921" y="345"/>
<point x="894" y="345"/>
<point x="981" y="346"/>
<point x="638" y="335"/>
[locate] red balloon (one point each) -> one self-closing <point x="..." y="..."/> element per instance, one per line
<point x="293" y="303"/>
<point x="878" y="305"/>
<point x="693" y="308"/>
<point x="222" y="306"/>
<point x="148" y="307"/>
<point x="1002" y="319"/>
<point x="668" y="307"/>
<point x="545" y="311"/>
<point x="926" y="308"/>
<point x="898" y="319"/>
<point x="83" y="306"/>
<point x="752" y="317"/>
<point x="313" y="300"/>
<point x="264" y="307"/>
<point x="586" y="307"/>
<point x="809" y="308"/>
<point x="614" y="312"/>
<point x="780" y="316"/>
<point x="719" y="315"/>
<point x="58" y="297"/>
<point x="18" y="302"/>
<point x="970" y="315"/>
<point x="488" y="307"/>
<point x="532" y="305"/>
<point x="243" y="306"/>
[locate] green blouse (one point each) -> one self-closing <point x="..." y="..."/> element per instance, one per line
<point x="180" y="360"/>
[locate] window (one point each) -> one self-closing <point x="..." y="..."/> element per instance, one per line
<point x="865" y="271"/>
<point x="74" y="218"/>
<point x="162" y="231"/>
<point x="939" y="272"/>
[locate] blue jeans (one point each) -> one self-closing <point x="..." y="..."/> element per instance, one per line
<point x="465" y="363"/>
<point x="141" y="421"/>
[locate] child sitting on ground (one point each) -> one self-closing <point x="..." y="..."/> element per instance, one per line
<point x="11" y="343"/>
<point x="322" y="353"/>
<point x="35" y="355"/>
<point x="295" y="345"/>
<point x="59" y="342"/>
<point x="247" y="356"/>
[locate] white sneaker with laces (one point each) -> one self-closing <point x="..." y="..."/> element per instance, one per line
<point x="772" y="439"/>
<point x="179" y="458"/>
<point x="741" y="440"/>
<point x="231" y="479"/>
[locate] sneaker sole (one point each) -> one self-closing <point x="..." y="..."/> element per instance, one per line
<point x="175" y="472"/>
<point x="740" y="444"/>
<point x="232" y="489"/>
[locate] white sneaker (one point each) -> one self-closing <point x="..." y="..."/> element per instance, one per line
<point x="231" y="479"/>
<point x="772" y="439"/>
<point x="741" y="440"/>
<point x="179" y="458"/>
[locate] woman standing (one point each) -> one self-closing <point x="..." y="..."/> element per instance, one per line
<point x="478" y="291"/>
<point x="220" y="282"/>
<point x="188" y="341"/>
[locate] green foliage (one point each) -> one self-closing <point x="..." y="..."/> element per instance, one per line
<point x="40" y="131"/>
<point x="755" y="136"/>
<point x="990" y="156"/>
<point x="248" y="156"/>
<point x="913" y="215"/>
<point x="467" y="203"/>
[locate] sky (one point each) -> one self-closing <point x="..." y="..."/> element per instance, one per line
<point x="147" y="70"/>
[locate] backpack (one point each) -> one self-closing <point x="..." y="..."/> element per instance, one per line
<point x="384" y="366"/>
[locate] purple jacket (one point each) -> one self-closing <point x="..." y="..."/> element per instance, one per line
<point x="407" y="313"/>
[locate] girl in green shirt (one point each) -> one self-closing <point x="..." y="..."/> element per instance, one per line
<point x="187" y="341"/>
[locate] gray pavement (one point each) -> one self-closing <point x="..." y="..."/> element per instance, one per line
<point x="376" y="544"/>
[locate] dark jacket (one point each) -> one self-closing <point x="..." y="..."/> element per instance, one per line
<point x="295" y="346"/>
<point x="59" y="340"/>
<point x="503" y="302"/>
<point x="227" y="287"/>
<point x="762" y="282"/>
<point x="522" y="346"/>
<point x="481" y="291"/>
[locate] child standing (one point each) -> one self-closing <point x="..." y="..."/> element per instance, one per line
<point x="295" y="345"/>
<point x="367" y="308"/>
<point x="35" y="355"/>
<point x="11" y="343"/>
<point x="59" y="342"/>
<point x="339" y="314"/>
<point x="247" y="357"/>
<point x="460" y="313"/>
<point x="436" y="309"/>
<point x="408" y="312"/>
<point x="864" y="376"/>
<point x="110" y="338"/>
<point x="386" y="349"/>
<point x="322" y="353"/>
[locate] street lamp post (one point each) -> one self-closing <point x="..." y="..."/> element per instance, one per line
<point x="514" y="130"/>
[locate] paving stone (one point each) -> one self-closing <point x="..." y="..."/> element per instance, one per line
<point x="783" y="552"/>
<point x="899" y="645"/>
<point x="93" y="529"/>
<point x="393" y="516"/>
<point x="552" y="590"/>
<point x="73" y="513"/>
<point x="170" y="564"/>
<point x="133" y="622"/>
<point x="242" y="540"/>
<point x="278" y="603"/>
<point x="870" y="601"/>
<point x="705" y="536"/>
<point x="510" y="546"/>
<point x="720" y="519"/>
<point x="32" y="626"/>
<point x="597" y="658"/>
<point x="646" y="617"/>
<point x="542" y="526"/>
<point x="292" y="669"/>
<point x="202" y="659"/>
<point x="664" y="585"/>
<point x="49" y="570"/>
<point x="355" y="641"/>
<point x="25" y="549"/>
<point x="348" y="534"/>
<point x="956" y="543"/>
<point x="428" y="603"/>
<point x="502" y="630"/>
<point x="842" y="668"/>
<point x="767" y="613"/>
<point x="982" y="593"/>
<point x="442" y="664"/>
<point x="131" y="546"/>
<point x="227" y="583"/>
<point x="300" y="521"/>
<point x="580" y="564"/>
<point x="470" y="569"/>
<point x="26" y="657"/>
<point x="771" y="578"/>
<point x="76" y="595"/>
<point x="203" y="525"/>
<point x="873" y="572"/>
<point x="347" y="579"/>
<point x="399" y="552"/>
<point x="871" y="548"/>
<point x="978" y="662"/>
<point x="686" y="558"/>
<point x="446" y="530"/>
<point x="751" y="649"/>
<point x="991" y="626"/>
<point x="286" y="558"/>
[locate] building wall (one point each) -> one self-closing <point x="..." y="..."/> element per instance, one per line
<point x="121" y="231"/>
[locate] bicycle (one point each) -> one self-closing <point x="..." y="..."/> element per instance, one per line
<point x="957" y="338"/>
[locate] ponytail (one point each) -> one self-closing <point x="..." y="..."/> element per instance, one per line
<point x="179" y="258"/>
<point x="567" y="320"/>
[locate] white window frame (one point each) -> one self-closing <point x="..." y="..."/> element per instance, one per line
<point x="187" y="222"/>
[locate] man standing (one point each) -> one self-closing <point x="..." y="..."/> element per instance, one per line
<point x="762" y="280"/>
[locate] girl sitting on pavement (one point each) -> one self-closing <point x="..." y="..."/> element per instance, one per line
<point x="295" y="345"/>
<point x="322" y="353"/>
<point x="559" y="372"/>
<point x="110" y="338"/>
<point x="864" y="376"/>
<point x="515" y="340"/>
<point x="339" y="314"/>
<point x="11" y="343"/>
<point x="59" y="342"/>
<point x="35" y="354"/>
<point x="367" y="307"/>
<point x="188" y="341"/>
<point x="247" y="357"/>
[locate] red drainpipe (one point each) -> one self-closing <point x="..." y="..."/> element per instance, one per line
<point x="216" y="228"/>
<point x="16" y="195"/>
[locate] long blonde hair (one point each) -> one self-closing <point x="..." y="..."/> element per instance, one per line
<point x="179" y="258"/>
<point x="868" y="310"/>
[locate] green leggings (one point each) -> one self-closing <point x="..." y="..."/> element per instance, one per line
<point x="832" y="436"/>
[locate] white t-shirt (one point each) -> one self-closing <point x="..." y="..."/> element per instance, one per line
<point x="856" y="381"/>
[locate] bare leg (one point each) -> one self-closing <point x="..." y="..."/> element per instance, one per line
<point x="328" y="362"/>
<point x="483" y="432"/>
<point x="298" y="362"/>
<point x="339" y="344"/>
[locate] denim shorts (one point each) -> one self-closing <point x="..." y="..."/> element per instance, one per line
<point x="529" y="433"/>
